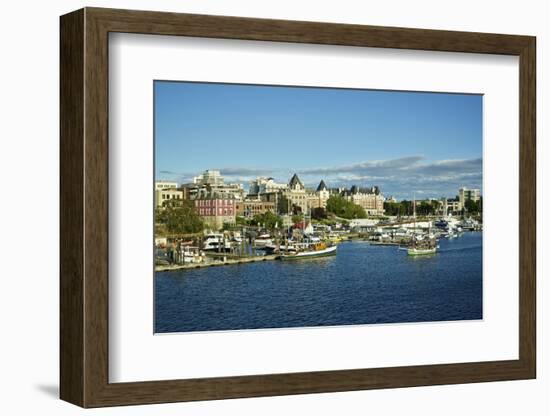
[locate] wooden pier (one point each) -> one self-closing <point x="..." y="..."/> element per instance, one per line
<point x="229" y="260"/>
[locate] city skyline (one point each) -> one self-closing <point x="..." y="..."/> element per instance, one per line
<point x="345" y="137"/>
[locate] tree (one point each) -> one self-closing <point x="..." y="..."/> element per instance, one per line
<point x="242" y="221"/>
<point x="472" y="207"/>
<point x="344" y="208"/>
<point x="393" y="208"/>
<point x="297" y="218"/>
<point x="180" y="219"/>
<point x="268" y="220"/>
<point x="425" y="208"/>
<point x="407" y="207"/>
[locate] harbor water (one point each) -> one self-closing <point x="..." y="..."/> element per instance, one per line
<point x="362" y="284"/>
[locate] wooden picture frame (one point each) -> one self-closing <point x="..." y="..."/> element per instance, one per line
<point x="84" y="207"/>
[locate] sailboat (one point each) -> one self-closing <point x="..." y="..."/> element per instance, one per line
<point x="420" y="247"/>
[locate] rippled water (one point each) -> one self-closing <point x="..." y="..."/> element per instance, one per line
<point x="362" y="284"/>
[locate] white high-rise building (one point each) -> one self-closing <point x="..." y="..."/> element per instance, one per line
<point x="211" y="183"/>
<point x="263" y="185"/>
<point x="209" y="177"/>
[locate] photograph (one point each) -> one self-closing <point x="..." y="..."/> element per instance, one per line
<point x="289" y="206"/>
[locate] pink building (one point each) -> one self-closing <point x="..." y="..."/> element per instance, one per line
<point x="215" y="211"/>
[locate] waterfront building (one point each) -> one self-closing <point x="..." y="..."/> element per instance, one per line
<point x="251" y="207"/>
<point x="160" y="185"/>
<point x="466" y="194"/>
<point x="216" y="210"/>
<point x="211" y="182"/>
<point x="321" y="196"/>
<point x="275" y="198"/>
<point x="289" y="197"/>
<point x="450" y="206"/>
<point x="296" y="196"/>
<point x="163" y="196"/>
<point x="263" y="185"/>
<point x="454" y="206"/>
<point x="370" y="199"/>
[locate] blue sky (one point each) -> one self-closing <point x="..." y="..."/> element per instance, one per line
<point x="405" y="142"/>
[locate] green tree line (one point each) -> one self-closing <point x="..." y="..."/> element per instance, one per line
<point x="181" y="218"/>
<point x="268" y="220"/>
<point x="473" y="207"/>
<point x="405" y="208"/>
<point x="343" y="208"/>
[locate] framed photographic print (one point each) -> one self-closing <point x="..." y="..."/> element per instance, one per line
<point x="255" y="207"/>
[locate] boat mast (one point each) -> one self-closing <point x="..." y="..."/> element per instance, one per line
<point x="414" y="211"/>
<point x="414" y="219"/>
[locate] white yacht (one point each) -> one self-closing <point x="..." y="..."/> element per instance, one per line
<point x="213" y="241"/>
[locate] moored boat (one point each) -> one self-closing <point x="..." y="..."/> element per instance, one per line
<point x="312" y="251"/>
<point x="263" y="240"/>
<point x="421" y="251"/>
<point x="277" y="248"/>
<point x="421" y="245"/>
<point x="216" y="242"/>
<point x="191" y="255"/>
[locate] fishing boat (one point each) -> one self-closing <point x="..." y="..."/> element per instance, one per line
<point x="310" y="251"/>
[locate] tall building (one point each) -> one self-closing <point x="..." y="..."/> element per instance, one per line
<point x="466" y="194"/>
<point x="211" y="182"/>
<point x="209" y="177"/>
<point x="263" y="185"/>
